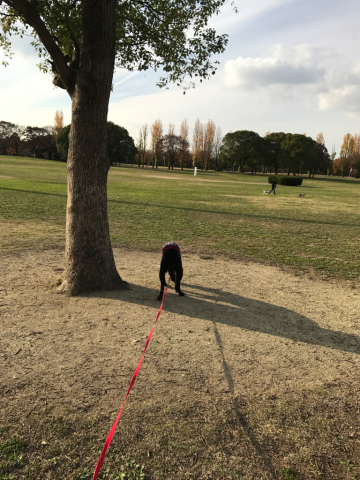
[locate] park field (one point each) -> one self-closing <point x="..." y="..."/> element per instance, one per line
<point x="211" y="214"/>
<point x="252" y="375"/>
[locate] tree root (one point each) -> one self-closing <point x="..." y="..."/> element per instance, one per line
<point x="73" y="285"/>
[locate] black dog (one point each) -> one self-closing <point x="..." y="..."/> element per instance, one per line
<point x="171" y="262"/>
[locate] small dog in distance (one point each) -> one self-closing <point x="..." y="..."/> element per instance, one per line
<point x="171" y="262"/>
<point x="302" y="195"/>
<point x="265" y="191"/>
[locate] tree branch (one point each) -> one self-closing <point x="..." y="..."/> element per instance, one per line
<point x="10" y="15"/>
<point x="34" y="20"/>
<point x="150" y="7"/>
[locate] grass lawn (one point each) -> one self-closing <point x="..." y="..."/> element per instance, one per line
<point x="212" y="213"/>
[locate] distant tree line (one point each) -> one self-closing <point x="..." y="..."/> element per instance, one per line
<point x="27" y="141"/>
<point x="53" y="142"/>
<point x="242" y="150"/>
<point x="120" y="146"/>
<point x="348" y="163"/>
<point x="278" y="151"/>
<point x="171" y="150"/>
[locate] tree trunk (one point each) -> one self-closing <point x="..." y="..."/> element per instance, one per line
<point x="89" y="256"/>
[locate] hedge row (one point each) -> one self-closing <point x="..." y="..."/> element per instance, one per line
<point x="280" y="180"/>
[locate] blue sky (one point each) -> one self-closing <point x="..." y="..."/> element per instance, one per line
<point x="290" y="66"/>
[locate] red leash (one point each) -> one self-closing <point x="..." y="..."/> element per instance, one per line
<point x="113" y="428"/>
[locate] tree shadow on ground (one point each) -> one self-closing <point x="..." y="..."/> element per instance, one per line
<point x="227" y="308"/>
<point x="336" y="179"/>
<point x="268" y="217"/>
<point x="263" y="457"/>
<point x="222" y="307"/>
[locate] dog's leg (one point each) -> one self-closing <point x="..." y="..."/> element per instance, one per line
<point x="162" y="281"/>
<point x="178" y="277"/>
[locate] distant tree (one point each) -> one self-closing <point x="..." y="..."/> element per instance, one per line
<point x="300" y="152"/>
<point x="9" y="136"/>
<point x="332" y="159"/>
<point x="226" y="154"/>
<point x="217" y="145"/>
<point x="172" y="145"/>
<point x="38" y="140"/>
<point x="156" y="133"/>
<point x="320" y="138"/>
<point x="197" y="141"/>
<point x="139" y="148"/>
<point x="10" y="151"/>
<point x="171" y="130"/>
<point x="62" y="142"/>
<point x="257" y="159"/>
<point x="202" y="141"/>
<point x="120" y="146"/>
<point x="322" y="160"/>
<point x="341" y="166"/>
<point x="209" y="137"/>
<point x="148" y="157"/>
<point x="347" y="148"/>
<point x="243" y="148"/>
<point x="142" y="145"/>
<point x="355" y="157"/>
<point x="58" y="121"/>
<point x="274" y="154"/>
<point x="333" y="153"/>
<point x="14" y="141"/>
<point x="184" y="147"/>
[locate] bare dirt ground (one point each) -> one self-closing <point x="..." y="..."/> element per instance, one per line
<point x="242" y="330"/>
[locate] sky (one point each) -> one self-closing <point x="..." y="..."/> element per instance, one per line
<point x="290" y="65"/>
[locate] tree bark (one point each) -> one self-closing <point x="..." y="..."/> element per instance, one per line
<point x="89" y="256"/>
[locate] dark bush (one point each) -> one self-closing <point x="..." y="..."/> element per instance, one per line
<point x="290" y="181"/>
<point x="274" y="177"/>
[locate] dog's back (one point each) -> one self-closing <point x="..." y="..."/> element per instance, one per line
<point x="171" y="262"/>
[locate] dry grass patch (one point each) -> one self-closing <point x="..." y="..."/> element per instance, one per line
<point x="27" y="234"/>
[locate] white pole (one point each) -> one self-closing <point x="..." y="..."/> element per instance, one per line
<point x="195" y="171"/>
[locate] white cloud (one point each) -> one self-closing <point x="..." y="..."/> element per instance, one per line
<point x="342" y="92"/>
<point x="346" y="98"/>
<point x="296" y="66"/>
<point x="317" y="77"/>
